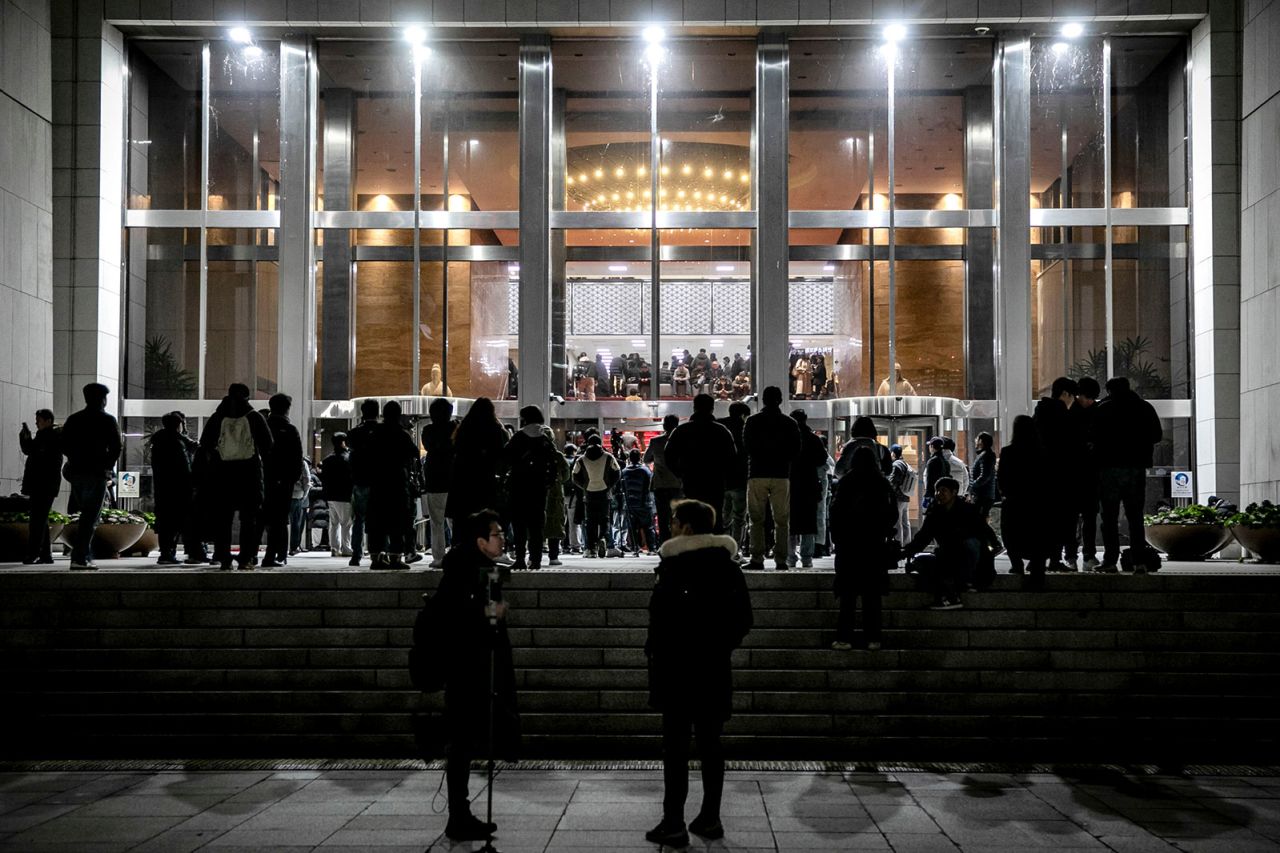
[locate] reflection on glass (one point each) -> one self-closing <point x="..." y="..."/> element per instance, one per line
<point x="822" y="302"/>
<point x="1067" y="113"/>
<point x="1149" y="283"/>
<point x="243" y="318"/>
<point x="244" y="126"/>
<point x="1068" y="308"/>
<point x="929" y="330"/>
<point x="164" y="125"/>
<point x="838" y="125"/>
<point x="1148" y="120"/>
<point x="163" y="314"/>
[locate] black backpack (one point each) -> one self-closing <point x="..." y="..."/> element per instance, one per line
<point x="426" y="663"/>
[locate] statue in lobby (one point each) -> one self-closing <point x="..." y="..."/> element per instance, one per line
<point x="436" y="387"/>
<point x="905" y="388"/>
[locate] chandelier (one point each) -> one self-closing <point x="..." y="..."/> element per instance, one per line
<point x="693" y="176"/>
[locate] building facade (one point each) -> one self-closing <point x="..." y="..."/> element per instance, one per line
<point x="474" y="199"/>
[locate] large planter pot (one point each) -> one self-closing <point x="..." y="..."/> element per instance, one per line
<point x="13" y="540"/>
<point x="1263" y="542"/>
<point x="147" y="542"/>
<point x="1184" y="542"/>
<point x="109" y="540"/>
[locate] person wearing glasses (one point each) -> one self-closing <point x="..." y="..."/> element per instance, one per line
<point x="470" y="602"/>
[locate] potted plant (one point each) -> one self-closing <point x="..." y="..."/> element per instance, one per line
<point x="14" y="529"/>
<point x="1257" y="529"/>
<point x="1188" y="532"/>
<point x="148" y="541"/>
<point x="117" y="530"/>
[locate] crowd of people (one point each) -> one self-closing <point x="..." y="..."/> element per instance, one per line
<point x="629" y="376"/>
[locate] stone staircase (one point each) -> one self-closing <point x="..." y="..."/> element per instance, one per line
<point x="277" y="664"/>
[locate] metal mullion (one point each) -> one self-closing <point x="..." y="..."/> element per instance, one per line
<point x="206" y="106"/>
<point x="893" y="236"/>
<point x="1106" y="191"/>
<point x="655" y="248"/>
<point x="871" y="266"/>
<point x="444" y="256"/>
<point x="417" y="214"/>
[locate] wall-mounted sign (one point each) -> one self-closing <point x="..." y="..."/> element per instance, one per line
<point x="128" y="485"/>
<point x="1181" y="481"/>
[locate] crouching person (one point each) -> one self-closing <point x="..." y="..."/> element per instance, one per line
<point x="959" y="531"/>
<point x="699" y="613"/>
<point x="475" y="630"/>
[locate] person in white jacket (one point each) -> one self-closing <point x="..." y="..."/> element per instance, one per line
<point x="959" y="470"/>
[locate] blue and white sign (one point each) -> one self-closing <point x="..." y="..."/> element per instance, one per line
<point x="128" y="485"/>
<point x="1181" y="481"/>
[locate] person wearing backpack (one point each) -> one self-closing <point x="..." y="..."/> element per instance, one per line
<point x="902" y="478"/>
<point x="236" y="440"/>
<point x="282" y="470"/>
<point x="531" y="466"/>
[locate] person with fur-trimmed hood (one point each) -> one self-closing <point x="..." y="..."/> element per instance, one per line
<point x="699" y="613"/>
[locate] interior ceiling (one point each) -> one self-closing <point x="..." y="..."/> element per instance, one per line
<point x="705" y="86"/>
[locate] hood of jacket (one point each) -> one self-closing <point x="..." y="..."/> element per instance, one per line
<point x="532" y="430"/>
<point x="234" y="407"/>
<point x="594" y="452"/>
<point x="684" y="544"/>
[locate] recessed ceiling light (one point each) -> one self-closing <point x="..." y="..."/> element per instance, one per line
<point x="1073" y="29"/>
<point x="895" y="33"/>
<point x="240" y="34"/>
<point x="617" y="267"/>
<point x="725" y="268"/>
<point x="415" y="34"/>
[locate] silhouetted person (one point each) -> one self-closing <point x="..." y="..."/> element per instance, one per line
<point x="284" y="466"/>
<point x="553" y="530"/>
<point x="390" y="517"/>
<point x="863" y="434"/>
<point x="91" y="443"/>
<point x="772" y="441"/>
<point x="1055" y="429"/>
<point x="531" y="464"/>
<point x="666" y="483"/>
<point x="982" y="477"/>
<point x="935" y="468"/>
<point x="437" y="441"/>
<point x="478" y="445"/>
<point x="701" y="451"/>
<point x="174" y="490"/>
<point x="637" y="491"/>
<point x="1126" y="430"/>
<point x="863" y="517"/>
<point x="734" y="512"/>
<point x="335" y="478"/>
<point x="361" y="441"/>
<point x="1024" y="476"/>
<point x="41" y="479"/>
<point x="804" y="493"/>
<point x="699" y="613"/>
<point x="1084" y="476"/>
<point x="470" y="601"/>
<point x="236" y="440"/>
<point x="959" y="532"/>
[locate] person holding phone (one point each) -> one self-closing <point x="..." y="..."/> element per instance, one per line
<point x="41" y="479"/>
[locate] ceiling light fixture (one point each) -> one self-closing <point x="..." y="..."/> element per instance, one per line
<point x="1072" y="29"/>
<point x="617" y="267"/>
<point x="895" y="33"/>
<point x="654" y="51"/>
<point x="240" y="34"/>
<point x="415" y="34"/>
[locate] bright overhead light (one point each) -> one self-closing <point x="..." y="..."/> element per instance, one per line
<point x="654" y="34"/>
<point x="240" y="34"/>
<point x="829" y="268"/>
<point x="415" y="34"/>
<point x="895" y="33"/>
<point x="617" y="267"/>
<point x="252" y="51"/>
<point x="1073" y="29"/>
<point x="725" y="268"/>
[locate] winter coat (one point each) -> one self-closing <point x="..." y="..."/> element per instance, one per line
<point x="530" y="459"/>
<point x="284" y="465"/>
<point x="1024" y="477"/>
<point x="699" y="612"/>
<point x="91" y="443"/>
<point x="863" y="515"/>
<point x="736" y="476"/>
<point x="394" y="453"/>
<point x="42" y="473"/>
<point x="935" y="469"/>
<point x="883" y="456"/>
<point x="554" y="527"/>
<point x="982" y="480"/>
<point x="172" y="454"/>
<point x="335" y="477"/>
<point x="477" y="462"/>
<point x="948" y="527"/>
<point x="636" y="488"/>
<point x="806" y="490"/>
<point x="462" y="596"/>
<point x="700" y="451"/>
<point x="437" y="440"/>
<point x="360" y="440"/>
<point x="237" y="480"/>
<point x="656" y="455"/>
<point x="595" y="470"/>
<point x="1053" y="425"/>
<point x="1125" y="431"/>
<point x="772" y="440"/>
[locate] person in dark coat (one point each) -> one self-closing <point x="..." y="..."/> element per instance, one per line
<point x="637" y="492"/>
<point x="361" y="441"/>
<point x="91" y="443"/>
<point x="478" y="444"/>
<point x="1126" y="430"/>
<point x="41" y="479"/>
<point x="700" y="451"/>
<point x="530" y="459"/>
<point x="805" y="492"/>
<point x="1023" y="479"/>
<point x="936" y="468"/>
<point x="281" y="471"/>
<point x="864" y="516"/>
<point x="959" y="532"/>
<point x="734" y="512"/>
<point x="666" y="483"/>
<point x="437" y="441"/>
<point x="772" y="440"/>
<point x="470" y="601"/>
<point x="1084" y="474"/>
<point x="236" y="441"/>
<point x="173" y="488"/>
<point x="553" y="530"/>
<point x="1055" y="428"/>
<point x="699" y="612"/>
<point x="336" y="482"/>
<point x="863" y="434"/>
<point x="395" y="452"/>
<point x="982" y="477"/>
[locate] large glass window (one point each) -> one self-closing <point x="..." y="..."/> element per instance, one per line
<point x="1148" y="119"/>
<point x="244" y="126"/>
<point x="163" y="313"/>
<point x="164" y="121"/>
<point x="1067" y="123"/>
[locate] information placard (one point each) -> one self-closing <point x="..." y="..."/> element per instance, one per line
<point x="1181" y="484"/>
<point x="128" y="485"/>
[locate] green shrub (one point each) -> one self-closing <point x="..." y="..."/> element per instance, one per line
<point x="1192" y="514"/>
<point x="1265" y="514"/>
